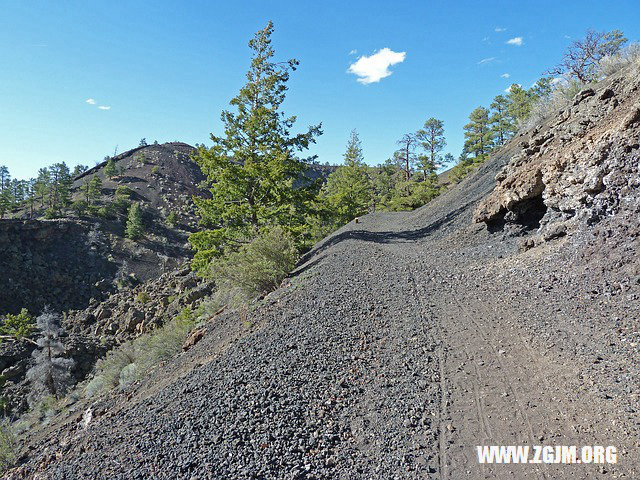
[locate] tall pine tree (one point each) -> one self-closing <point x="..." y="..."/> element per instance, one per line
<point x="349" y="190"/>
<point x="252" y="169"/>
<point x="478" y="134"/>
<point x="431" y="137"/>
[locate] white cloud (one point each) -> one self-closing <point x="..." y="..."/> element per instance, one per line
<point x="486" y="60"/>
<point x="90" y="101"/>
<point x="505" y="75"/>
<point x="353" y="52"/>
<point x="103" y="107"/>
<point x="500" y="29"/>
<point x="374" y="68"/>
<point x="517" y="41"/>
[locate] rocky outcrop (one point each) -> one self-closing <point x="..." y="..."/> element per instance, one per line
<point x="58" y="263"/>
<point x="134" y="311"/>
<point x="579" y="166"/>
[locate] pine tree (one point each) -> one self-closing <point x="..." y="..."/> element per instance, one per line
<point x="59" y="189"/>
<point x="135" y="227"/>
<point x="51" y="374"/>
<point x="79" y="170"/>
<point x="519" y="103"/>
<point x="110" y="169"/>
<point x="251" y="170"/>
<point x="431" y="137"/>
<point x="478" y="134"/>
<point x="406" y="156"/>
<point x="42" y="185"/>
<point x="502" y="122"/>
<point x="93" y="189"/>
<point x="5" y="177"/>
<point x="349" y="191"/>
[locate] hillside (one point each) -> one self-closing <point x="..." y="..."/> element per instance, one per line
<point x="503" y="312"/>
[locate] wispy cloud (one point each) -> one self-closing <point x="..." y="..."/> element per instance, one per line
<point x="104" y="107"/>
<point x="517" y="41"/>
<point x="90" y="101"/>
<point x="484" y="61"/>
<point x="353" y="52"/>
<point x="505" y="75"/>
<point x="500" y="29"/>
<point x="373" y="68"/>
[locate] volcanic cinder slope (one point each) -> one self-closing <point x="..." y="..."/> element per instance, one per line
<point x="404" y="340"/>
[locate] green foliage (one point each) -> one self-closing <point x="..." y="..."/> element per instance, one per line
<point x="80" y="207"/>
<point x="135" y="227"/>
<point x="172" y="219"/>
<point x="107" y="212"/>
<point x="142" y="159"/>
<point x="155" y="171"/>
<point x="8" y="447"/>
<point x="478" y="134"/>
<point x="431" y="138"/>
<point x="502" y="121"/>
<point x="17" y="325"/>
<point x="143" y="297"/>
<point x="348" y="192"/>
<point x="256" y="268"/>
<point x="133" y="360"/>
<point x="110" y="169"/>
<point x="251" y="170"/>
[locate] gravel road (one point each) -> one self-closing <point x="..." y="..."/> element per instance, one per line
<point x="398" y="345"/>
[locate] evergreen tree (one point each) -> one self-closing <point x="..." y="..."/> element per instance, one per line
<point x="42" y="185"/>
<point x="59" y="188"/>
<point x="5" y="177"/>
<point x="502" y="122"/>
<point x="51" y="374"/>
<point x="478" y="134"/>
<point x="5" y="202"/>
<point x="405" y="156"/>
<point x="135" y="227"/>
<point x="93" y="189"/>
<point x="110" y="169"/>
<point x="143" y="142"/>
<point x="79" y="170"/>
<point x="431" y="137"/>
<point x="252" y="169"/>
<point x="348" y="191"/>
<point x="519" y="103"/>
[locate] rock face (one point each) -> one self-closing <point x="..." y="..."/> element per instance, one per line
<point x="57" y="263"/>
<point x="578" y="167"/>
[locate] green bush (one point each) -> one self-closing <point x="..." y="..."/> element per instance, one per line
<point x="123" y="191"/>
<point x="8" y="447"/>
<point x="133" y="360"/>
<point x="155" y="170"/>
<point x="143" y="297"/>
<point x="256" y="268"/>
<point x="172" y="219"/>
<point x="107" y="212"/>
<point x="80" y="207"/>
<point x="18" y="326"/>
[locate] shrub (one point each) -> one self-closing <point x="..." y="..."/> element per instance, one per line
<point x="143" y="297"/>
<point x="107" y="212"/>
<point x="133" y="360"/>
<point x="123" y="191"/>
<point x="155" y="170"/>
<point x="80" y="207"/>
<point x="256" y="268"/>
<point x="18" y="326"/>
<point x="121" y="204"/>
<point x="172" y="219"/>
<point x="8" y="447"/>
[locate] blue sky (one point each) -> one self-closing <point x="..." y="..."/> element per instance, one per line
<point x="166" y="69"/>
